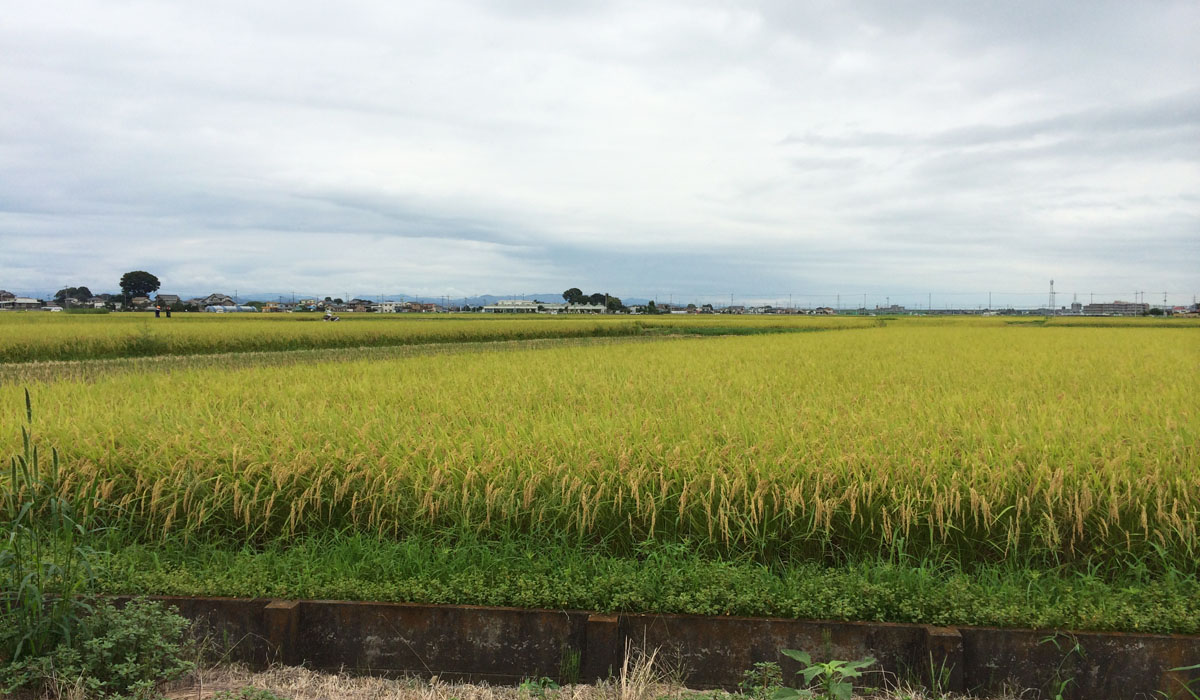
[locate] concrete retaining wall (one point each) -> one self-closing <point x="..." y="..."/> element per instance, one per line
<point x="510" y="644"/>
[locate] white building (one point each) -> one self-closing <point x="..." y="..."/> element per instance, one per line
<point x="1117" y="308"/>
<point x="520" y="306"/>
<point x="231" y="309"/>
<point x="18" y="303"/>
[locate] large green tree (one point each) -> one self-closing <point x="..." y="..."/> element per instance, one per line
<point x="76" y="293"/>
<point x="573" y="296"/>
<point x="138" y="283"/>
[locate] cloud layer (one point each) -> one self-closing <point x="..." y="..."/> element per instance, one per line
<point x="693" y="149"/>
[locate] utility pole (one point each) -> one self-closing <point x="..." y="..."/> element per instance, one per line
<point x="929" y="303"/>
<point x="989" y="301"/>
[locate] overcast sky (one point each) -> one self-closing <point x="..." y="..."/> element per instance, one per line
<point x="642" y="148"/>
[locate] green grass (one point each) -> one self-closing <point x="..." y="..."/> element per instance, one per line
<point x="659" y="578"/>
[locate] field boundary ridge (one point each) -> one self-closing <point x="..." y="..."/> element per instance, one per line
<point x="507" y="645"/>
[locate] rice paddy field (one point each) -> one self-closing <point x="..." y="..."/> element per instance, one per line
<point x="954" y="470"/>
<point x="44" y="337"/>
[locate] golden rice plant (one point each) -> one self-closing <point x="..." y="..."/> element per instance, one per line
<point x="965" y="442"/>
<point x="44" y="337"/>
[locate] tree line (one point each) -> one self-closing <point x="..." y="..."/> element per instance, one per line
<point x="575" y="295"/>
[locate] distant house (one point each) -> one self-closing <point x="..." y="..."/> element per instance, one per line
<point x="168" y="300"/>
<point x="6" y="295"/>
<point x="139" y="302"/>
<point x="211" y="300"/>
<point x="16" y="303"/>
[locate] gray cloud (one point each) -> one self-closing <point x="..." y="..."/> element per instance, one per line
<point x="674" y="148"/>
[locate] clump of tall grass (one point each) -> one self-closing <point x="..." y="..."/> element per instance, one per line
<point x="45" y="558"/>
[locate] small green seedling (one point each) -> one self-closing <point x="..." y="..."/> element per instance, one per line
<point x="835" y="679"/>
<point x="760" y="682"/>
<point x="537" y="687"/>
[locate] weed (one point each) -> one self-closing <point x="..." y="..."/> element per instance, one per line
<point x="538" y="687"/>
<point x="45" y="558"/>
<point x="761" y="681"/>
<point x="247" y="693"/>
<point x="834" y="679"/>
<point x="1187" y="685"/>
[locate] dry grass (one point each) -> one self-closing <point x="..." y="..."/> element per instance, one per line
<point x="642" y="680"/>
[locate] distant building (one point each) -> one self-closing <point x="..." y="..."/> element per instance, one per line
<point x="585" y="309"/>
<point x="1116" y="308"/>
<point x="16" y="303"/>
<point x="168" y="300"/>
<point x="520" y="306"/>
<point x="213" y="300"/>
<point x="231" y="309"/>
